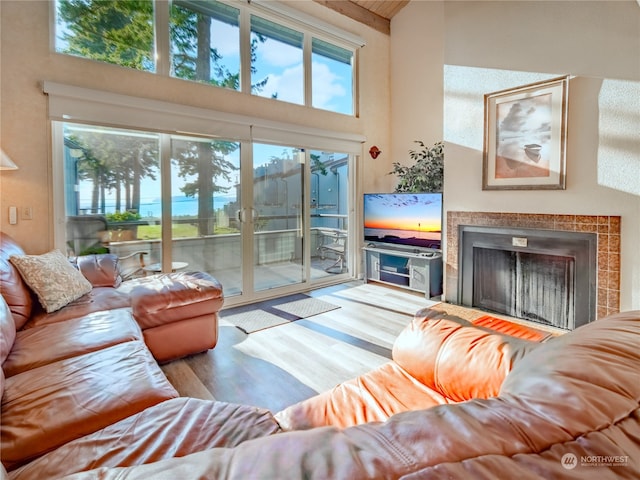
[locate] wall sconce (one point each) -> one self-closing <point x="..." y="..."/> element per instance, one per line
<point x="374" y="152"/>
<point x="6" y="163"/>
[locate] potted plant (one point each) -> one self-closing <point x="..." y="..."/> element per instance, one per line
<point x="426" y="174"/>
<point x="123" y="225"/>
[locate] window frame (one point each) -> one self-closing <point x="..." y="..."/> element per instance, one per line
<point x="272" y="11"/>
<point x="68" y="103"/>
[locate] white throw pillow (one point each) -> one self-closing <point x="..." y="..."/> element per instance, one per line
<point x="55" y="281"/>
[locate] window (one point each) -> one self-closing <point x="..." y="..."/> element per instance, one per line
<point x="113" y="195"/>
<point x="329" y="212"/>
<point x="332" y="77"/>
<point x="204" y="186"/>
<point x="241" y="198"/>
<point x="205" y="43"/>
<point x="287" y="56"/>
<point x="277" y="68"/>
<point x="114" y="32"/>
<point x="112" y="186"/>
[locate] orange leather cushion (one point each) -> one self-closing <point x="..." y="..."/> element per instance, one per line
<point x="7" y="332"/>
<point x="457" y="360"/>
<point x="172" y="297"/>
<point x="51" y="405"/>
<point x="170" y="429"/>
<point x="39" y="346"/>
<point x="101" y="270"/>
<point x="16" y="293"/>
<point x="372" y="397"/>
<point x="186" y="337"/>
<point x="98" y="299"/>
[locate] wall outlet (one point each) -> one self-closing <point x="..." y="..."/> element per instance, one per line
<point x="27" y="213"/>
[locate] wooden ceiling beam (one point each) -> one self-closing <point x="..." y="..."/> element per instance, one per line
<point x="358" y="13"/>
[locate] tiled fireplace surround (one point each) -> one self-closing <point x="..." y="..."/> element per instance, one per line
<point x="607" y="229"/>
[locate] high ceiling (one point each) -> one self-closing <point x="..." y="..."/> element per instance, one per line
<point x="386" y="9"/>
<point x="375" y="13"/>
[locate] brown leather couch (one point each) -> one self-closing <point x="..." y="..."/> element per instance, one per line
<point x="80" y="387"/>
<point x="569" y="408"/>
<point x="437" y="359"/>
<point x="177" y="312"/>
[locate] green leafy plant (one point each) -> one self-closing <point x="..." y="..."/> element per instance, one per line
<point x="122" y="216"/>
<point x="426" y="174"/>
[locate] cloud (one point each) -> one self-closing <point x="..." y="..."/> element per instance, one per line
<point x="526" y="115"/>
<point x="514" y="121"/>
<point x="327" y="90"/>
<point x="279" y="54"/>
<point x="288" y="85"/>
<point x="226" y="39"/>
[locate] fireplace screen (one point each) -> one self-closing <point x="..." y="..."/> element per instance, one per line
<point x="545" y="276"/>
<point x="525" y="285"/>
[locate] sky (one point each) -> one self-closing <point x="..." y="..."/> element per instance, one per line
<point x="283" y="65"/>
<point x="403" y="211"/>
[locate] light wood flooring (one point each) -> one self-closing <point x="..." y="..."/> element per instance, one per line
<point x="279" y="366"/>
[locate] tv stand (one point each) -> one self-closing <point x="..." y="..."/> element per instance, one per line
<point x="413" y="268"/>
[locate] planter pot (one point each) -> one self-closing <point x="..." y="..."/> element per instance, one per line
<point x="124" y="231"/>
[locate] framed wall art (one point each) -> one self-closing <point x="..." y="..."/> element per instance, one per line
<point x="525" y="130"/>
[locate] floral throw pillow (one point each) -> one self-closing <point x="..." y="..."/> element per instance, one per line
<point x="54" y="280"/>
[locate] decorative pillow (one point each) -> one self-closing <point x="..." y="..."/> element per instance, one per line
<point x="54" y="280"/>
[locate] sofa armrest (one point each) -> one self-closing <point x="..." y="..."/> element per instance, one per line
<point x="173" y="297"/>
<point x="455" y="358"/>
<point x="100" y="269"/>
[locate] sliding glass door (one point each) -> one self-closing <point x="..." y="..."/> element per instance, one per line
<point x="205" y="198"/>
<point x="277" y="215"/>
<point x="264" y="219"/>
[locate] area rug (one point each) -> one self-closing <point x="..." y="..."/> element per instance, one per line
<point x="271" y="313"/>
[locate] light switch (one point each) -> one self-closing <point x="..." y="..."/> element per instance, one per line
<point x="13" y="215"/>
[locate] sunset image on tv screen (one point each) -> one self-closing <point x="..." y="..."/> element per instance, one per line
<point x="405" y="218"/>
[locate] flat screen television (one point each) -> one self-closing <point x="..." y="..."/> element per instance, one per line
<point x="412" y="219"/>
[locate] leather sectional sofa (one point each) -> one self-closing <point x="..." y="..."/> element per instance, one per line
<point x="438" y="359"/>
<point x="457" y="401"/>
<point x="80" y="386"/>
<point x="569" y="409"/>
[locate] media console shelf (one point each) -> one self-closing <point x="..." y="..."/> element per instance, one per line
<point x="408" y="267"/>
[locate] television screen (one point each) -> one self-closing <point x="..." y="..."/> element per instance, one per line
<point x="413" y="219"/>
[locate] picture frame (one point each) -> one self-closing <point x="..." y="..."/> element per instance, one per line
<point x="525" y="133"/>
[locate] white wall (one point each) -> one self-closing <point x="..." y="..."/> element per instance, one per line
<point x="488" y="46"/>
<point x="417" y="60"/>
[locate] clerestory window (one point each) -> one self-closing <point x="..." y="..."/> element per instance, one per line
<point x="258" y="48"/>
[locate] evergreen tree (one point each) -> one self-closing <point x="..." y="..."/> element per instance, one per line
<point x="122" y="32"/>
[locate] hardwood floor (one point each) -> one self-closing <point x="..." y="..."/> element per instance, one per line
<point x="279" y="366"/>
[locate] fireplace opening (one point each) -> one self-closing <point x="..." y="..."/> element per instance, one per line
<point x="543" y="276"/>
<point x="525" y="285"/>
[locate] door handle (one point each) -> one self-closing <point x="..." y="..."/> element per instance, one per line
<point x="241" y="214"/>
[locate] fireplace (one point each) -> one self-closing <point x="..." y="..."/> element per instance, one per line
<point x="605" y="228"/>
<point x="544" y="276"/>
